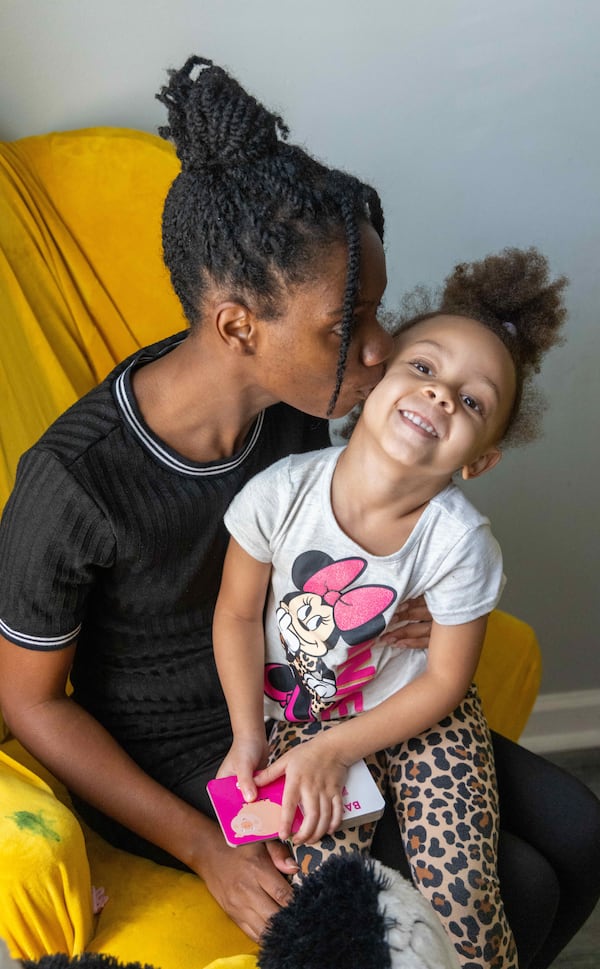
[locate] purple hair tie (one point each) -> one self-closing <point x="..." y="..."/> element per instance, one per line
<point x="510" y="327"/>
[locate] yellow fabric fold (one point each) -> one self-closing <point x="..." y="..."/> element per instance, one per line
<point x="235" y="962"/>
<point x="45" y="885"/>
<point x="82" y="281"/>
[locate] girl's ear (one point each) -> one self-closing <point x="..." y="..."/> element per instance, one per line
<point x="236" y="325"/>
<point x="482" y="464"/>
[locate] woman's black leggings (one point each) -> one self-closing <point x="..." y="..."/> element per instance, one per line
<point x="549" y="851"/>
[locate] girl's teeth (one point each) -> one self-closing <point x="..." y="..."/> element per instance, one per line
<point x="414" y="419"/>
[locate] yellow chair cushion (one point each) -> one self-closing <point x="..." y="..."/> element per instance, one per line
<point x="509" y="673"/>
<point x="82" y="281"/>
<point x="47" y="908"/>
<point x="159" y="915"/>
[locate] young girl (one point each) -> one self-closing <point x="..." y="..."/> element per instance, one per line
<point x="338" y="537"/>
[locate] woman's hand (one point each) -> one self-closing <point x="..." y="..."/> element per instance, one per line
<point x="245" y="756"/>
<point x="246" y="882"/>
<point x="314" y="778"/>
<point x="409" y="627"/>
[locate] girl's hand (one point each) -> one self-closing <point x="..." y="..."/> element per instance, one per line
<point x="246" y="755"/>
<point x="314" y="778"/>
<point x="409" y="627"/>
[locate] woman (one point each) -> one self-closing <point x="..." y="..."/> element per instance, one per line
<point x="113" y="537"/>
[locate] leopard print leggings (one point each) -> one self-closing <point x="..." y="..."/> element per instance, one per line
<point x="443" y="788"/>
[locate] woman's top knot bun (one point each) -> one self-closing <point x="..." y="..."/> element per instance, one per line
<point x="213" y="122"/>
<point x="249" y="216"/>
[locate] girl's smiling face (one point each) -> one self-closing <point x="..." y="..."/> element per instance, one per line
<point x="446" y="397"/>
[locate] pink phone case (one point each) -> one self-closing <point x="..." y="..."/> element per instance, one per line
<point x="244" y="822"/>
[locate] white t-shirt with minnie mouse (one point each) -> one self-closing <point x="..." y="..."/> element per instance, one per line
<point x="329" y="599"/>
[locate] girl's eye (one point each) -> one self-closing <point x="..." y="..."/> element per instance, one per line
<point x="471" y="403"/>
<point x="421" y="367"/>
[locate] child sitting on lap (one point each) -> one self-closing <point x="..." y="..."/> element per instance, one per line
<point x="332" y="541"/>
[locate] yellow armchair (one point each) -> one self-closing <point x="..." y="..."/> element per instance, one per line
<point x="82" y="285"/>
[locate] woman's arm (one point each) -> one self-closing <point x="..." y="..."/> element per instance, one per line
<point x="80" y="752"/>
<point x="239" y="647"/>
<point x="315" y="771"/>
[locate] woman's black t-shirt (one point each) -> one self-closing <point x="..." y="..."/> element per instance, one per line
<point x="113" y="540"/>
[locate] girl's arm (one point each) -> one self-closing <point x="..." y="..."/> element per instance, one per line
<point x="316" y="770"/>
<point x="239" y="647"/>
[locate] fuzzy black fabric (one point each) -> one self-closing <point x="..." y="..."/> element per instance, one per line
<point x="333" y="921"/>
<point x="89" y="960"/>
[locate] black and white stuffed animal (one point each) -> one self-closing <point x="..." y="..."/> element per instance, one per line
<point x="354" y="913"/>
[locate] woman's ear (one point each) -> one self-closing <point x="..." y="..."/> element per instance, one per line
<point x="482" y="464"/>
<point x="236" y="325"/>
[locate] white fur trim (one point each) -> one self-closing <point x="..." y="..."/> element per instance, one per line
<point x="417" y="939"/>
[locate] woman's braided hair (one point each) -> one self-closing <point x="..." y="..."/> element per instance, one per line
<point x="248" y="212"/>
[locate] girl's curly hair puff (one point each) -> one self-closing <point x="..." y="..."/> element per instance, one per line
<point x="249" y="212"/>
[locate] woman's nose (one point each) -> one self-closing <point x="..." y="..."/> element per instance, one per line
<point x="376" y="347"/>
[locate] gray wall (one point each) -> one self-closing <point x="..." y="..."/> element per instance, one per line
<point x="478" y="122"/>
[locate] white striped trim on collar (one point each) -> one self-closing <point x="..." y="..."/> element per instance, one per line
<point x="166" y="457"/>
<point x="41" y="642"/>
